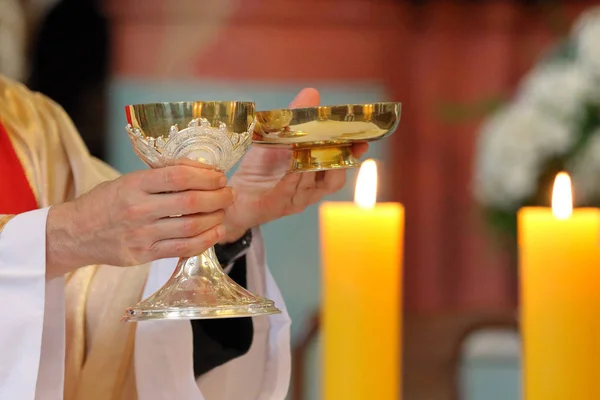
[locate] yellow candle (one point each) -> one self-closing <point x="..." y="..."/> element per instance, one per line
<point x="361" y="247"/>
<point x="559" y="264"/>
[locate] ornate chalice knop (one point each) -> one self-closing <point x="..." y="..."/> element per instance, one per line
<point x="218" y="134"/>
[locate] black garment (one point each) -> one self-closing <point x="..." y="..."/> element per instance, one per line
<point x="217" y="341"/>
<point x="70" y="64"/>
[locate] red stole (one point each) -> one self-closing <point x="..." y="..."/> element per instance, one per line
<point x="16" y="195"/>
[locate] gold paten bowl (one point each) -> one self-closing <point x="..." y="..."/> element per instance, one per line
<point x="320" y="138"/>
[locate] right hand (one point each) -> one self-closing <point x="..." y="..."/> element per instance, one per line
<point x="128" y="221"/>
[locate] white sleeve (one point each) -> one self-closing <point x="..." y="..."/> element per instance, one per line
<point x="51" y="375"/>
<point x="278" y="368"/>
<point x="163" y="354"/>
<point x="22" y="304"/>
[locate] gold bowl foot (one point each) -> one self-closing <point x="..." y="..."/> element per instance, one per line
<point x="321" y="158"/>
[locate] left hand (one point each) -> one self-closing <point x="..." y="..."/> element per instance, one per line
<point x="265" y="191"/>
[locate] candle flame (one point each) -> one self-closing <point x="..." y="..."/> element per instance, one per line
<point x="562" y="196"/>
<point x="365" y="193"/>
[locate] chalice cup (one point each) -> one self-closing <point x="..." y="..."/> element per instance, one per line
<point x="218" y="134"/>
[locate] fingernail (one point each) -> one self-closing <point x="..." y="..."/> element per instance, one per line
<point x="234" y="194"/>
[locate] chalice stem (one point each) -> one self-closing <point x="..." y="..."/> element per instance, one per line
<point x="205" y="264"/>
<point x="206" y="267"/>
<point x="197" y="289"/>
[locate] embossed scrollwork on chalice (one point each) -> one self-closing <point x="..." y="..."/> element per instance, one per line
<point x="199" y="141"/>
<point x="145" y="148"/>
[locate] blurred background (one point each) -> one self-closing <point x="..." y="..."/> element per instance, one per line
<point x="453" y="65"/>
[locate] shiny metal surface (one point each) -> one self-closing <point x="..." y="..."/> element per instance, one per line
<point x="155" y="119"/>
<point x="199" y="289"/>
<point x="216" y="133"/>
<point x="320" y="137"/>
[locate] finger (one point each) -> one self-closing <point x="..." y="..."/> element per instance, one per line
<point x="308" y="97"/>
<point x="189" y="202"/>
<point x="320" y="178"/>
<point x="188" y="247"/>
<point x="177" y="178"/>
<point x="192" y="163"/>
<point x="333" y="181"/>
<point x="359" y="149"/>
<point x="286" y="187"/>
<point x="186" y="226"/>
<point x="306" y="185"/>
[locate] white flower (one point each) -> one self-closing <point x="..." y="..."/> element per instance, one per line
<point x="585" y="171"/>
<point x="514" y="145"/>
<point x="587" y="41"/>
<point x="542" y="123"/>
<point x="561" y="89"/>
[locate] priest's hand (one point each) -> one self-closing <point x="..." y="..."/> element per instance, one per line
<point x="127" y="221"/>
<point x="265" y="191"/>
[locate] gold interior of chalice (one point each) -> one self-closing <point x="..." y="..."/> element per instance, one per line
<point x="216" y="133"/>
<point x="320" y="138"/>
<point x="155" y="119"/>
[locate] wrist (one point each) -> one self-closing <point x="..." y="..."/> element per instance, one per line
<point x="233" y="234"/>
<point x="62" y="250"/>
<point x="229" y="253"/>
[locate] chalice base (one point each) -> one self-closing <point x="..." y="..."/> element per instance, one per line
<point x="322" y="158"/>
<point x="207" y="293"/>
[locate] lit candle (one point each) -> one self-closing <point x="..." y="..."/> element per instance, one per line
<point x="361" y="248"/>
<point x="559" y="261"/>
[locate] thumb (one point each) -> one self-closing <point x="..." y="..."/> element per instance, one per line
<point x="308" y="97"/>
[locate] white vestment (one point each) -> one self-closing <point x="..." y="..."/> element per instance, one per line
<point x="32" y="344"/>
